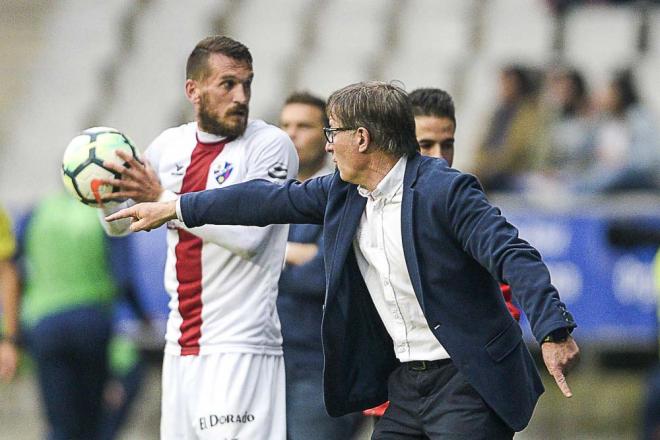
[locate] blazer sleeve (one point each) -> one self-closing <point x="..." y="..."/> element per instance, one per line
<point x="258" y="203"/>
<point x="491" y="240"/>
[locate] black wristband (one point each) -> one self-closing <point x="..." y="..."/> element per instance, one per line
<point x="558" y="335"/>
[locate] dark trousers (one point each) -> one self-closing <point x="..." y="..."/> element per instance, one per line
<point x="306" y="417"/>
<point x="436" y="402"/>
<point x="70" y="352"/>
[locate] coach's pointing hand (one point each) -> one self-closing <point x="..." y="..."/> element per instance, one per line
<point x="559" y="358"/>
<point x="146" y="216"/>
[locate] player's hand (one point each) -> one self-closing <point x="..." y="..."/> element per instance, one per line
<point x="8" y="360"/>
<point x="146" y="216"/>
<point x="560" y="358"/>
<point x="138" y="180"/>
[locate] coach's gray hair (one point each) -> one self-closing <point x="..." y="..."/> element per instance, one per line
<point x="384" y="109"/>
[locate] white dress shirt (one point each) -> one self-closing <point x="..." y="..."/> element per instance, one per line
<point x="379" y="250"/>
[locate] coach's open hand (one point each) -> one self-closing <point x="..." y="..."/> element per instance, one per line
<point x="146" y="216"/>
<point x="560" y="358"/>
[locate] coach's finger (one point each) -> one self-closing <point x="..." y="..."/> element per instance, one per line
<point x="560" y="379"/>
<point x="124" y="213"/>
<point x="140" y="225"/>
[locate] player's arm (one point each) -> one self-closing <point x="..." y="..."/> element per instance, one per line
<point x="10" y="295"/>
<point x="272" y="157"/>
<point x="307" y="278"/>
<point x="138" y="183"/>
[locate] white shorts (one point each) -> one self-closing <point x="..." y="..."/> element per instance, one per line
<point x="223" y="396"/>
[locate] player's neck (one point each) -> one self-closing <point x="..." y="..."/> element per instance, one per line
<point x="307" y="171"/>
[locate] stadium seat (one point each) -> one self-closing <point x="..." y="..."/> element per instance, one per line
<point x="517" y="31"/>
<point x="274" y="45"/>
<point x="434" y="41"/>
<point x="347" y="47"/>
<point x="600" y="39"/>
<point x="653" y="18"/>
<point x="647" y="73"/>
<point x="149" y="94"/>
<point x="81" y="38"/>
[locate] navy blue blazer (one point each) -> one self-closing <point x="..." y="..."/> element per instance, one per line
<point x="457" y="248"/>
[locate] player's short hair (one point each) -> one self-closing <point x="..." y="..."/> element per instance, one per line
<point x="384" y="109"/>
<point x="433" y="102"/>
<point x="197" y="65"/>
<point x="308" y="99"/>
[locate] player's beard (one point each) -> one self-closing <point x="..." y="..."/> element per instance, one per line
<point x="211" y="122"/>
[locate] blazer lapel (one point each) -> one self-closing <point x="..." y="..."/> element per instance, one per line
<point x="407" y="225"/>
<point x="345" y="234"/>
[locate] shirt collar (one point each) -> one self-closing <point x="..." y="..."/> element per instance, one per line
<point x="208" y="138"/>
<point x="390" y="184"/>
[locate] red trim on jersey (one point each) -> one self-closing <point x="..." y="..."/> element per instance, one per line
<point x="188" y="252"/>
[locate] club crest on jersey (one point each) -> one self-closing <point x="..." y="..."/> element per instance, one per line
<point x="222" y="173"/>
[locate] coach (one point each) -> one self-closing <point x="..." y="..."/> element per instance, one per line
<point x="413" y="256"/>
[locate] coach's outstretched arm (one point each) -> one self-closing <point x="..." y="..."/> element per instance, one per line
<point x="253" y="203"/>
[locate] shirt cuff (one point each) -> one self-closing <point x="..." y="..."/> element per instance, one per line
<point x="179" y="216"/>
<point x="168" y="196"/>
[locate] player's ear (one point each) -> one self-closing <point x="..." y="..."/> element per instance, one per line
<point x="192" y="92"/>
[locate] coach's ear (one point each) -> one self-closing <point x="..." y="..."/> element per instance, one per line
<point x="363" y="139"/>
<point x="192" y="92"/>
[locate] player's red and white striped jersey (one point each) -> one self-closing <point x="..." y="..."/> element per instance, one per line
<point x="222" y="280"/>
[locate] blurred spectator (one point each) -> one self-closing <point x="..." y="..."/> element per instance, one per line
<point x="9" y="291"/>
<point x="65" y="311"/>
<point x="302" y="288"/>
<point x="626" y="143"/>
<point x="511" y="146"/>
<point x="570" y="123"/>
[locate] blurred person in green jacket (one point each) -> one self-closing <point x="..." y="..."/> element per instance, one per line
<point x="65" y="311"/>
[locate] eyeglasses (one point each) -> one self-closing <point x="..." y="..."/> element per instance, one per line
<point x="329" y="132"/>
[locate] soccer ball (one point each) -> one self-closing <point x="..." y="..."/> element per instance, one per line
<point x="82" y="165"/>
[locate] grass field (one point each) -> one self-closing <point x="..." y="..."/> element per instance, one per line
<point x="605" y="406"/>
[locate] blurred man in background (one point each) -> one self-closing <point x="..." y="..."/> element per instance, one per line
<point x="223" y="371"/>
<point x="435" y="122"/>
<point x="302" y="288"/>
